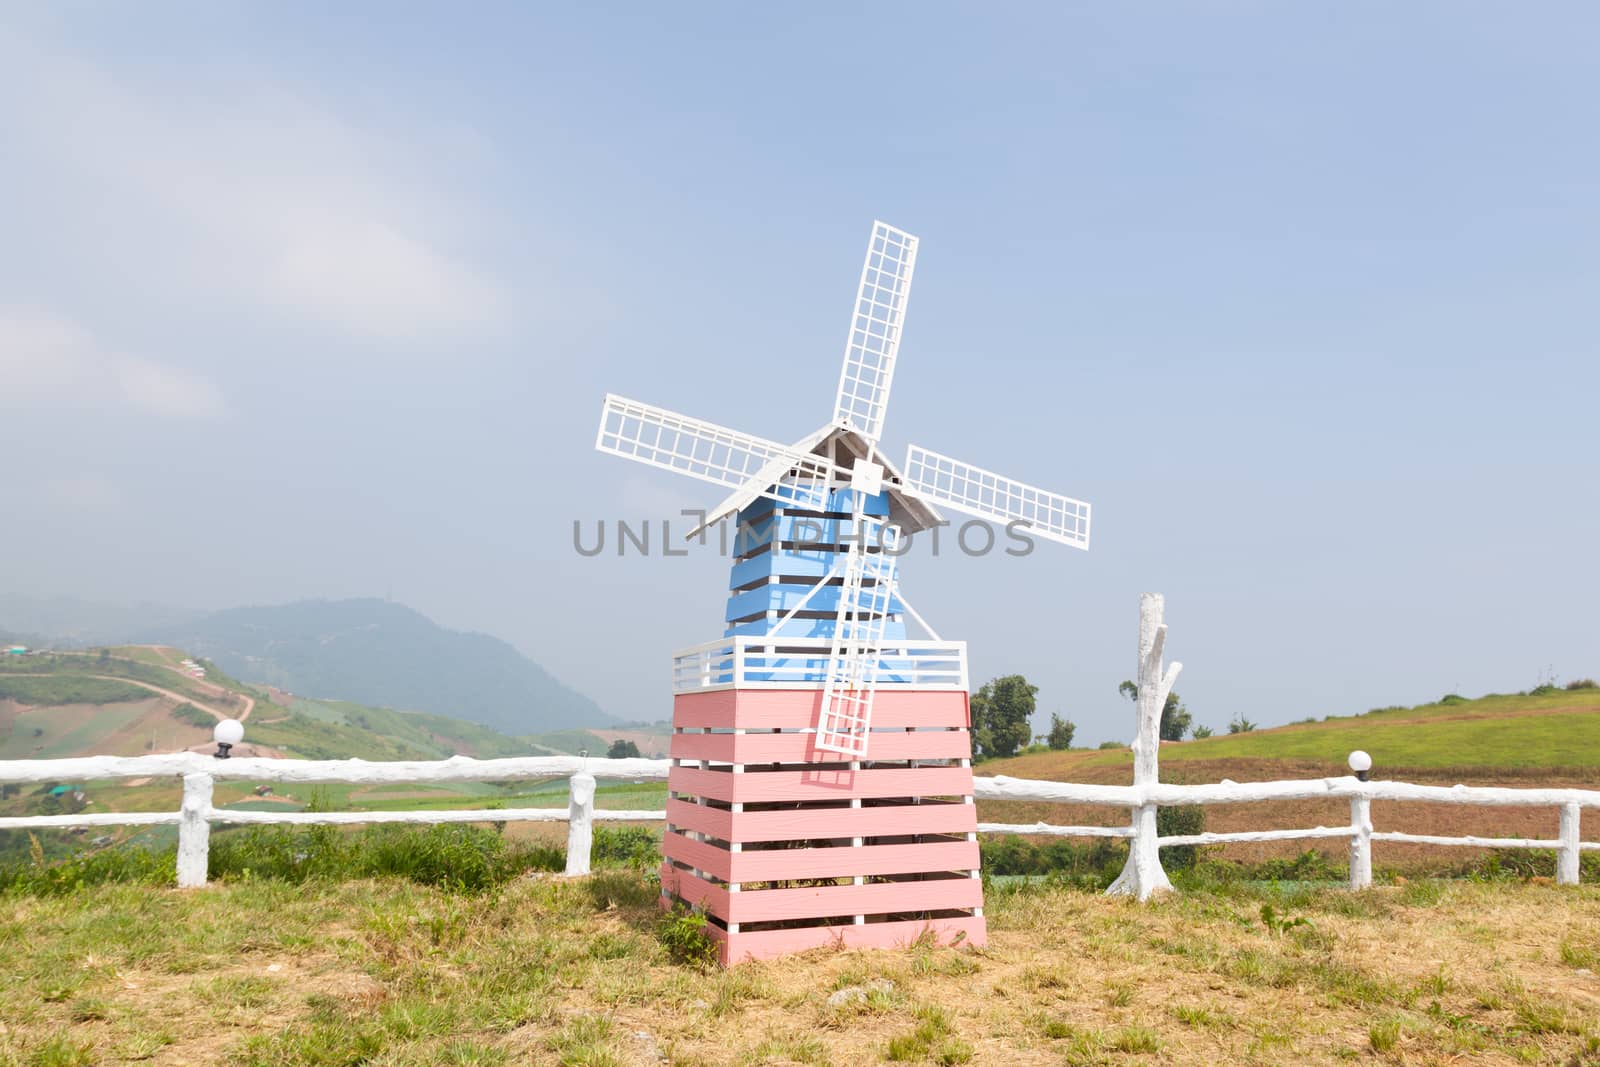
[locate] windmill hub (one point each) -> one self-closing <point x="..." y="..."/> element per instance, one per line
<point x="867" y="477"/>
<point x="779" y="824"/>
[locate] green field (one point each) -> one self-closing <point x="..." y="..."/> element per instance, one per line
<point x="1515" y="732"/>
<point x="67" y="689"/>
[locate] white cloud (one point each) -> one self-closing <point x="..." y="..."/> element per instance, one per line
<point x="48" y="358"/>
<point x="165" y="390"/>
<point x="239" y="186"/>
<point x="372" y="279"/>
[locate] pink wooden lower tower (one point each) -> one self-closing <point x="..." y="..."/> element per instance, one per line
<point x="786" y="847"/>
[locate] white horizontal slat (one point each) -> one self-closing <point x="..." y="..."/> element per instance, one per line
<point x="1465" y="841"/>
<point x="257" y="769"/>
<point x="1050" y="829"/>
<point x="99" y="818"/>
<point x="350" y="818"/>
<point x="1256" y="835"/>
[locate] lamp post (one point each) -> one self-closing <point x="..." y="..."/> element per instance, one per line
<point x="1361" y="763"/>
<point x="229" y="732"/>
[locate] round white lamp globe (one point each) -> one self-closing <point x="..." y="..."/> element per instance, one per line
<point x="1360" y="762"/>
<point x="228" y="732"/>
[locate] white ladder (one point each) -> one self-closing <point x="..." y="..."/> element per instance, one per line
<point x="852" y="674"/>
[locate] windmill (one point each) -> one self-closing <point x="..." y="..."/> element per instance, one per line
<point x="816" y="623"/>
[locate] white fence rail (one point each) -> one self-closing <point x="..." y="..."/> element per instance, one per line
<point x="1568" y="802"/>
<point x="200" y="773"/>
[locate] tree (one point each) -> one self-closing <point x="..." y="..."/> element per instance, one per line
<point x="1202" y="732"/>
<point x="1175" y="718"/>
<point x="621" y="749"/>
<point x="1240" y="725"/>
<point x="1000" y="714"/>
<point x="1061" y="731"/>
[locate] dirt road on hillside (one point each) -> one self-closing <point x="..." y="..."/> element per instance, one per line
<point x="219" y="690"/>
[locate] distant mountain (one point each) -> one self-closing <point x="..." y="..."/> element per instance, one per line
<point x="67" y="622"/>
<point x="379" y="653"/>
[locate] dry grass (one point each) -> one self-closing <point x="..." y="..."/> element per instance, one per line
<point x="393" y="973"/>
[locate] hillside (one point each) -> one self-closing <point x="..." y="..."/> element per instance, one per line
<point x="135" y="699"/>
<point x="1549" y="738"/>
<point x="1497" y="733"/>
<point x="382" y="654"/>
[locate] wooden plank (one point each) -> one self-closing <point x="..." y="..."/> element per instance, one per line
<point x="717" y="862"/>
<point x="761" y="786"/>
<point x="894" y="744"/>
<point x="707" y="820"/>
<point x="816" y="902"/>
<point x="695" y="891"/>
<point x="767" y="944"/>
<point x="771" y="865"/>
<point x="770" y="709"/>
<point x="827" y="823"/>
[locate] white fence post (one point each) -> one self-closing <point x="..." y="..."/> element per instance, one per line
<point x="1142" y="874"/>
<point x="1567" y="857"/>
<point x="194" y="831"/>
<point x="1360" y="842"/>
<point x="580" y="823"/>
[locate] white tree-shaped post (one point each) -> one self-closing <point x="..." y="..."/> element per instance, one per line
<point x="1142" y="875"/>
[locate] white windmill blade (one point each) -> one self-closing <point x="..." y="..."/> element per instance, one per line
<point x="987" y="495"/>
<point x="700" y="449"/>
<point x="778" y="481"/>
<point x="874" y="341"/>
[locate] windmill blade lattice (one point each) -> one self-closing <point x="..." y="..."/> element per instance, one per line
<point x="987" y="495"/>
<point x="662" y="438"/>
<point x="874" y="341"/>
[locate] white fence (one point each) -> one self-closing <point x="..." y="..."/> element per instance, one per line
<point x="790" y="662"/>
<point x="200" y="773"/>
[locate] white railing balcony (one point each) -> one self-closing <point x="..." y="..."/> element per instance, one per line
<point x="770" y="662"/>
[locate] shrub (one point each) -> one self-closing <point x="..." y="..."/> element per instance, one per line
<point x="1114" y="744"/>
<point x="1451" y="698"/>
<point x="626" y="846"/>
<point x="133" y="866"/>
<point x="683" y="934"/>
<point x="1240" y="725"/>
<point x="1583" y="683"/>
<point x="1094" y="865"/>
<point x="1180" y="821"/>
<point x="450" y="856"/>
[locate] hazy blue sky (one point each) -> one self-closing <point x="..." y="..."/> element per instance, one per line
<point x="1303" y="298"/>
